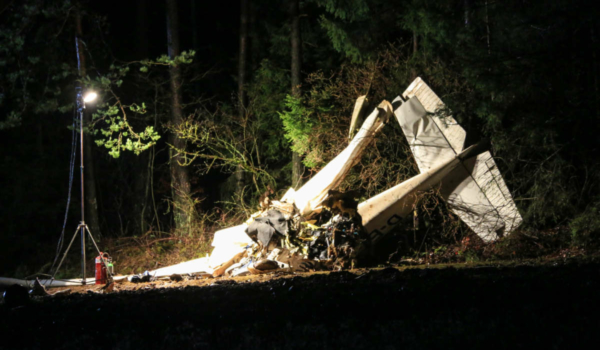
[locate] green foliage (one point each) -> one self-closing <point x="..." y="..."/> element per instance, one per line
<point x="586" y="226"/>
<point x="350" y="10"/>
<point x="22" y="71"/>
<point x="341" y="40"/>
<point x="359" y="29"/>
<point x="344" y="12"/>
<point x="116" y="132"/>
<point x="28" y="56"/>
<point x="186" y="57"/>
<point x="266" y="94"/>
<point x="12" y="120"/>
<point x="297" y="125"/>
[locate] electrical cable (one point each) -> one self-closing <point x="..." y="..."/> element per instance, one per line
<point x="73" y="153"/>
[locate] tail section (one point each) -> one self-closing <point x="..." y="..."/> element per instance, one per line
<point x="475" y="190"/>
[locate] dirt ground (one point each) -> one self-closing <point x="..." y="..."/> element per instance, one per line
<point x="555" y="306"/>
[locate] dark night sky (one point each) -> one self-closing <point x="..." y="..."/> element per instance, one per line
<point x="217" y="26"/>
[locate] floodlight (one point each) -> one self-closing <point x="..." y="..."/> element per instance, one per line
<point x="83" y="228"/>
<point x="89" y="97"/>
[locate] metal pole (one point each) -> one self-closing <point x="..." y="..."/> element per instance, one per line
<point x="65" y="254"/>
<point x="80" y="107"/>
<point x="82" y="228"/>
<point x="81" y="166"/>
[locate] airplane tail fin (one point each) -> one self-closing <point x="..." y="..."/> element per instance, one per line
<point x="475" y="191"/>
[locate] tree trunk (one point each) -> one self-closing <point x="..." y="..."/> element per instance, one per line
<point x="180" y="183"/>
<point x="242" y="57"/>
<point x="40" y="139"/>
<point x="414" y="73"/>
<point x="296" y="43"/>
<point x="415" y="43"/>
<point x="194" y="25"/>
<point x="467" y="12"/>
<point x="195" y="45"/>
<point x="239" y="173"/>
<point x="595" y="68"/>
<point x="141" y="29"/>
<point x="91" y="200"/>
<point x="141" y="214"/>
<point x="253" y="39"/>
<point x="487" y="29"/>
<point x="489" y="47"/>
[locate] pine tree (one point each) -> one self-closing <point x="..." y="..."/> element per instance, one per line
<point x="180" y="182"/>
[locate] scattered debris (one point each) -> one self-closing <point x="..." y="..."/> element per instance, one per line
<point x="108" y="288"/>
<point x="176" y="277"/>
<point x="145" y="277"/>
<point x="62" y="292"/>
<point x="38" y="289"/>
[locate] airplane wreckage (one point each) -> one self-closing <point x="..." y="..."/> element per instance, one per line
<point x="318" y="228"/>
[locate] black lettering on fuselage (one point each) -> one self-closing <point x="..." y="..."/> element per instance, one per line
<point x="392" y="221"/>
<point x="375" y="235"/>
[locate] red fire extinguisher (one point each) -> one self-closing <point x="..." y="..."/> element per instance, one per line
<point x="101" y="268"/>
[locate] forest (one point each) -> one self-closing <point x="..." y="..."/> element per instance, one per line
<point x="203" y="108"/>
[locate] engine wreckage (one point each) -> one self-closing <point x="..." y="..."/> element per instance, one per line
<point x="317" y="228"/>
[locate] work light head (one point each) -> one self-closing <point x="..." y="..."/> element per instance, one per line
<point x="89" y="96"/>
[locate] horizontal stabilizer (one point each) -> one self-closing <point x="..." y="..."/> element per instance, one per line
<point x="381" y="213"/>
<point x="477" y="193"/>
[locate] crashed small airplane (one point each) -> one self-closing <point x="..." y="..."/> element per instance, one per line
<point x="317" y="227"/>
<point x="469" y="181"/>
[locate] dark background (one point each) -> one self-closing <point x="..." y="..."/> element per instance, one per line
<point x="523" y="73"/>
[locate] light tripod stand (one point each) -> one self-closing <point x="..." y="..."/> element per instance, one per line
<point x="83" y="227"/>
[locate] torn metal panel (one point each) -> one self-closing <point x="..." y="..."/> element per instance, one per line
<point x="187" y="267"/>
<point x="315" y="190"/>
<point x="450" y="129"/>
<point x="356" y="115"/>
<point x="289" y="196"/>
<point x="427" y="143"/>
<point x="228" y="243"/>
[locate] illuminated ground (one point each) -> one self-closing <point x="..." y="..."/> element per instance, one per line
<point x="554" y="306"/>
